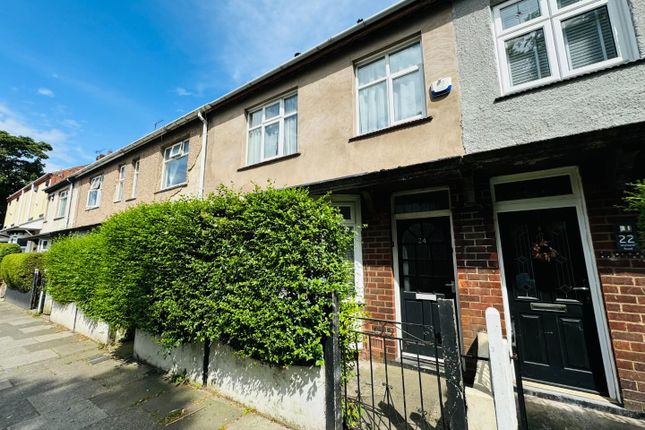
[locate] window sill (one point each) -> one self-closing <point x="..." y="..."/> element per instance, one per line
<point x="132" y="199"/>
<point x="174" y="187"/>
<point x="91" y="208"/>
<point x="391" y="129"/>
<point x="270" y="161"/>
<point x="58" y="217"/>
<point x="563" y="81"/>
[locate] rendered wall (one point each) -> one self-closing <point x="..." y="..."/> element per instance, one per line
<point x="585" y="103"/>
<point x="295" y="396"/>
<point x="68" y="315"/>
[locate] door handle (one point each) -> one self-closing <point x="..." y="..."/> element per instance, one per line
<point x="580" y="288"/>
<point x="450" y="284"/>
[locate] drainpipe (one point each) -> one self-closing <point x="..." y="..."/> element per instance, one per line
<point x="70" y="201"/>
<point x="202" y="155"/>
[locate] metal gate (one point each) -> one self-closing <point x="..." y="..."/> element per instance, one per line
<point x="383" y="387"/>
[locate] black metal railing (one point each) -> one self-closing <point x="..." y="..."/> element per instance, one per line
<point x="389" y="383"/>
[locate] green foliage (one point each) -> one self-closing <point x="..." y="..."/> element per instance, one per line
<point x="6" y="249"/>
<point x="21" y="161"/>
<point x="17" y="270"/>
<point x="635" y="201"/>
<point x="255" y="271"/>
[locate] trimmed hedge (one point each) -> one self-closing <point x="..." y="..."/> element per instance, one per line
<point x="8" y="248"/>
<point x="17" y="270"/>
<point x="255" y="271"/>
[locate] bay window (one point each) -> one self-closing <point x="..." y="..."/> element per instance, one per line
<point x="175" y="165"/>
<point x="541" y="41"/>
<point x="273" y="130"/>
<point x="391" y="88"/>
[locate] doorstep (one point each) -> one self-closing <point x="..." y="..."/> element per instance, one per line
<point x="579" y="398"/>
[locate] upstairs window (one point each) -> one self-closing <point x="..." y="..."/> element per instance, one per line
<point x="135" y="178"/>
<point x="391" y="88"/>
<point x="120" y="184"/>
<point x="540" y="41"/>
<point x="273" y="130"/>
<point x="63" y="197"/>
<point x="94" y="195"/>
<point x="175" y="165"/>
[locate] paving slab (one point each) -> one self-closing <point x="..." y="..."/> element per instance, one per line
<point x="36" y="328"/>
<point x="27" y="358"/>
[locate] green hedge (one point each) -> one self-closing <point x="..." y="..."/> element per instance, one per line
<point x="8" y="248"/>
<point x="17" y="270"/>
<point x="252" y="270"/>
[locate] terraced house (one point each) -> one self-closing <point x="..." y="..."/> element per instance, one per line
<point x="479" y="149"/>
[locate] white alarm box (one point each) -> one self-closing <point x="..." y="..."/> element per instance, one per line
<point x="441" y="87"/>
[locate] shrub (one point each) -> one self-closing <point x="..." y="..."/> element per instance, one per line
<point x="17" y="270"/>
<point x="635" y="201"/>
<point x="255" y="271"/>
<point x="6" y="249"/>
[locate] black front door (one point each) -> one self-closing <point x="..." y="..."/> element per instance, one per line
<point x="550" y="301"/>
<point x="426" y="273"/>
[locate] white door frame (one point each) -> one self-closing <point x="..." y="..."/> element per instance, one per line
<point x="395" y="251"/>
<point x="575" y="200"/>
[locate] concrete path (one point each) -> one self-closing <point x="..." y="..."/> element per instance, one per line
<point x="53" y="379"/>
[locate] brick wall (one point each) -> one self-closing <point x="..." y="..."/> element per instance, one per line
<point x="623" y="284"/>
<point x="478" y="281"/>
<point x="378" y="277"/>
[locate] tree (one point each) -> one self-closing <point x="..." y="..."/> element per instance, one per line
<point x="21" y="161"/>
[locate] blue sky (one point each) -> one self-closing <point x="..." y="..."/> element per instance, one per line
<point x="90" y="76"/>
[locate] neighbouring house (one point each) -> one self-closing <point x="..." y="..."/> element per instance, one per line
<point x="27" y="209"/>
<point x="484" y="145"/>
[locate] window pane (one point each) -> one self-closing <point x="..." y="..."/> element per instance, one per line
<point x="291" y="135"/>
<point x="588" y="38"/>
<point x="253" y="153"/>
<point x="565" y="3"/>
<point x="176" y="171"/>
<point x="255" y="118"/>
<point x="408" y="96"/>
<point x="371" y="72"/>
<point x="290" y="104"/>
<point x="517" y="13"/>
<point x="271" y="133"/>
<point x="272" y="111"/>
<point x="533" y="188"/>
<point x="405" y="58"/>
<point x="430" y="201"/>
<point x="527" y="58"/>
<point x="373" y="108"/>
<point x="92" y="198"/>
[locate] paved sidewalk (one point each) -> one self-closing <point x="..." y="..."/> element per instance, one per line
<point x="52" y="379"/>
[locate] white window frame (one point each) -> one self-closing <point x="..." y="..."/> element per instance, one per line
<point x="64" y="194"/>
<point x="120" y="184"/>
<point x="550" y="21"/>
<point x="181" y="152"/>
<point x="354" y="204"/>
<point x="98" y="191"/>
<point x="43" y="245"/>
<point x="267" y="122"/>
<point x="136" y="165"/>
<point x="390" y="78"/>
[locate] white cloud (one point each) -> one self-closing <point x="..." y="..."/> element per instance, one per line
<point x="71" y="123"/>
<point x="64" y="153"/>
<point x="183" y="92"/>
<point x="45" y="92"/>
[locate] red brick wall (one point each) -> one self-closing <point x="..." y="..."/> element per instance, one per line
<point x="378" y="277"/>
<point x="478" y="279"/>
<point x="623" y="285"/>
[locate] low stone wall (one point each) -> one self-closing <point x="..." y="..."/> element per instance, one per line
<point x="187" y="359"/>
<point x="18" y="298"/>
<point x="295" y="395"/>
<point x="68" y="315"/>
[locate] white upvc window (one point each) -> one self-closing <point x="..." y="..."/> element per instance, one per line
<point x="350" y="208"/>
<point x="175" y="165"/>
<point x="273" y="130"/>
<point x="541" y="41"/>
<point x="43" y="245"/>
<point x="135" y="177"/>
<point x="94" y="195"/>
<point x="390" y="88"/>
<point x="63" y="198"/>
<point x="120" y="184"/>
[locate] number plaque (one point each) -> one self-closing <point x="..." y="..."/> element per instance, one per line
<point x="626" y="238"/>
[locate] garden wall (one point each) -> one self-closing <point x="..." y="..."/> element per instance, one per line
<point x="68" y="315"/>
<point x="293" y="395"/>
